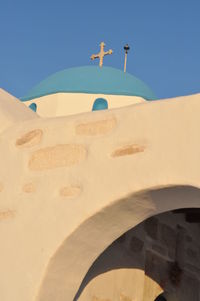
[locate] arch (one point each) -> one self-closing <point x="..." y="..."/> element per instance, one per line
<point x="33" y="106"/>
<point x="72" y="260"/>
<point x="100" y="104"/>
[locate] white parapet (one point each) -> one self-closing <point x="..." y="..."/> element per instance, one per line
<point x="69" y="186"/>
<point x="12" y="110"/>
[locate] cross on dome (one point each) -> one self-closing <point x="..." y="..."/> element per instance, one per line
<point x="101" y="54"/>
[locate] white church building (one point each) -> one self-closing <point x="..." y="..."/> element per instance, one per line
<point x="99" y="191"/>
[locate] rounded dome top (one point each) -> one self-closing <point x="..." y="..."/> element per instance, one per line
<point x="93" y="80"/>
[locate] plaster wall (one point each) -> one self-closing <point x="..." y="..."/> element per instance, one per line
<point x="62" y="104"/>
<point x="65" y="181"/>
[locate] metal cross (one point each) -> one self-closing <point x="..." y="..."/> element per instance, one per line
<point x="101" y="54"/>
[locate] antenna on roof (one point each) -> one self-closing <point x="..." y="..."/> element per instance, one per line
<point x="126" y="49"/>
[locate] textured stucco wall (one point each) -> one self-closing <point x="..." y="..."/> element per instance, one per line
<point x="66" y="181"/>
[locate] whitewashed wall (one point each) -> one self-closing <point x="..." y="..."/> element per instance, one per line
<point x="62" y="104"/>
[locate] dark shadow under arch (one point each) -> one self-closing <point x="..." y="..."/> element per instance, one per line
<point x="161" y="298"/>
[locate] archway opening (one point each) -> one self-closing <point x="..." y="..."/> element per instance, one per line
<point x="161" y="255"/>
<point x="79" y="251"/>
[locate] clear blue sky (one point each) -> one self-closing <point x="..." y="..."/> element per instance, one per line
<point x="40" y="37"/>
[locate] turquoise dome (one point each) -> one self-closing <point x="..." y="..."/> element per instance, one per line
<point x="91" y="79"/>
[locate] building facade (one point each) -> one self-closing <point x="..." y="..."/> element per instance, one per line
<point x="99" y="189"/>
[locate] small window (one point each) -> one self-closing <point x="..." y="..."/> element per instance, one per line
<point x="33" y="107"/>
<point x="100" y="104"/>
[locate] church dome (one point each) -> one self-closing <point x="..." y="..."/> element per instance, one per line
<point x="93" y="80"/>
